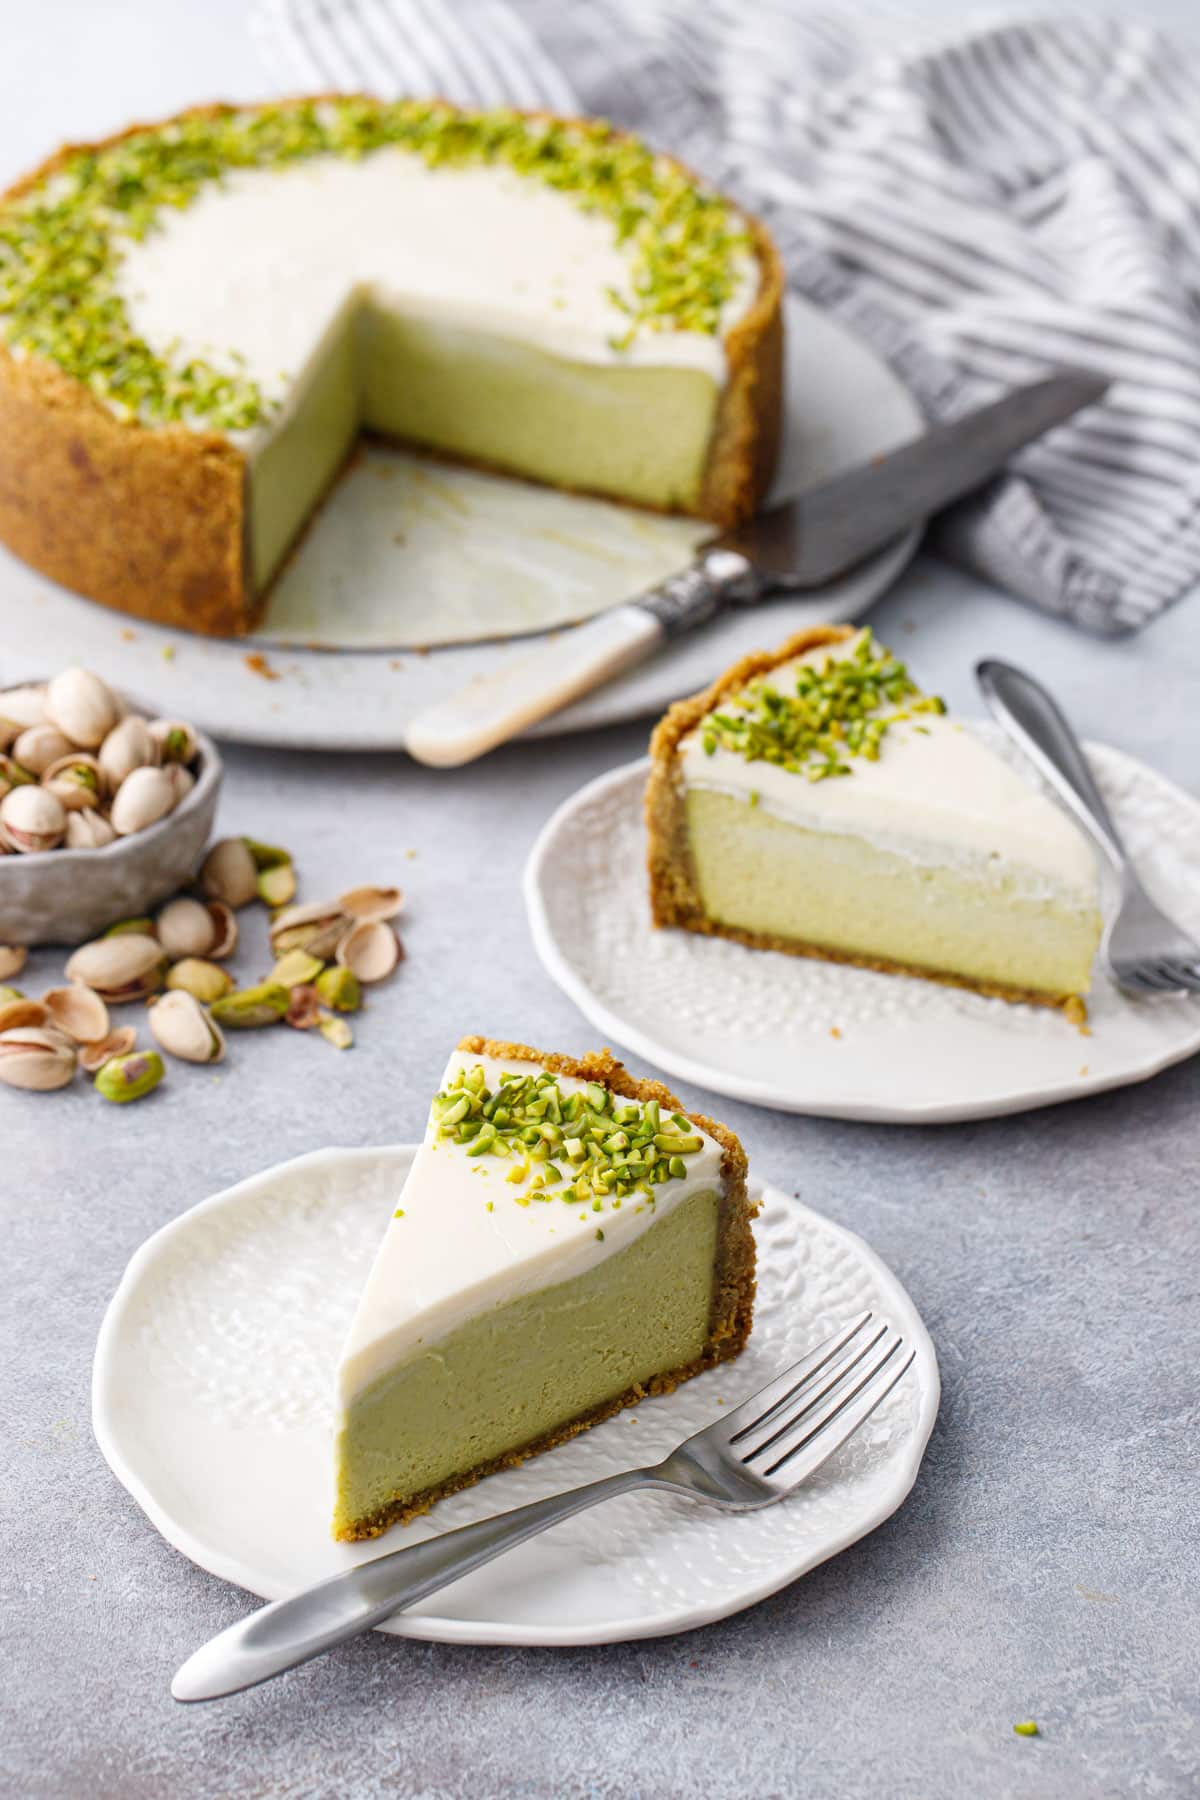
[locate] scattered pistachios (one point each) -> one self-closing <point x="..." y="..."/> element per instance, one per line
<point x="205" y="981"/>
<point x="129" y="1077"/>
<point x="37" y="1058"/>
<point x="181" y="1026"/>
<point x="90" y="770"/>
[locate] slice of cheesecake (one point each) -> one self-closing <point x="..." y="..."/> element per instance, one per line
<point x="198" y="318"/>
<point x="814" y="801"/>
<point x="567" y="1241"/>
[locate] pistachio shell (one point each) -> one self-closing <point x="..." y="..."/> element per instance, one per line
<point x="225" y="941"/>
<point x="124" y="1078"/>
<point x="77" y="781"/>
<point x="38" y="746"/>
<point x="229" y="873"/>
<point x="369" y="950"/>
<point x="186" y="928"/>
<point x="88" y="829"/>
<point x="144" y="797"/>
<point x="79" y="1012"/>
<point x="17" y="1013"/>
<point x="24" y="705"/>
<point x="206" y="980"/>
<point x="176" y="742"/>
<point x="122" y="968"/>
<point x="118" y="1043"/>
<point x="316" y="926"/>
<point x="371" y="902"/>
<point x="82" y="706"/>
<point x="10" y="731"/>
<point x="36" y="1058"/>
<point x="184" y="1029"/>
<point x="32" y="819"/>
<point x="12" y="960"/>
<point x="182" y="780"/>
<point x="127" y="747"/>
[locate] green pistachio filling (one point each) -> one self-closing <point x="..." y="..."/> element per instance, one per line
<point x="61" y="243"/>
<point x="589" y="1148"/>
<point x="837" y="710"/>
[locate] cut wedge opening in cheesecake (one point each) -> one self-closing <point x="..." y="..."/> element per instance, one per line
<point x="567" y="1242"/>
<point x="815" y="801"/>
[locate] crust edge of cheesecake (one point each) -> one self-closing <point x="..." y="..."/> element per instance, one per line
<point x="733" y="1287"/>
<point x="72" y="473"/>
<point x="674" y="893"/>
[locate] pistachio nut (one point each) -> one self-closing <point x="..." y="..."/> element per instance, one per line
<point x="20" y="1011"/>
<point x="9" y="994"/>
<point x="207" y="981"/>
<point x="79" y="1012"/>
<point x="119" y="969"/>
<point x="335" y="1031"/>
<point x="245" y="1008"/>
<point x="88" y="829"/>
<point x="118" y="1043"/>
<point x="176" y="742"/>
<point x="371" y="902"/>
<point x="36" y="1058"/>
<point x="143" y="927"/>
<point x="226" y="927"/>
<point x="369" y="950"/>
<point x="127" y="747"/>
<point x="128" y="1077"/>
<point x="186" y="928"/>
<point x="184" y="1029"/>
<point x="296" y="968"/>
<point x="12" y="960"/>
<point x="304" y="1006"/>
<point x="229" y="873"/>
<point x="23" y="706"/>
<point x="77" y="781"/>
<point x="10" y="731"/>
<point x="267" y="856"/>
<point x="182" y="780"/>
<point x="277" y="885"/>
<point x="144" y="797"/>
<point x="40" y="745"/>
<point x="315" y="926"/>
<point x="339" y="988"/>
<point x="32" y="819"/>
<point x="12" y="775"/>
<point x="82" y="706"/>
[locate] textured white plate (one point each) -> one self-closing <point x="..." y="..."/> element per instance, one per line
<point x="212" y="1404"/>
<point x="408" y="553"/>
<point x="817" y="1037"/>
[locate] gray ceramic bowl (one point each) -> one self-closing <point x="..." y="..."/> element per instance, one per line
<point x="68" y="896"/>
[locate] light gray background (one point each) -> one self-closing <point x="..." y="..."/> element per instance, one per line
<point x="1046" y="1563"/>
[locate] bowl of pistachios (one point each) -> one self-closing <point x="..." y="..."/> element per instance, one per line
<point x="104" y="809"/>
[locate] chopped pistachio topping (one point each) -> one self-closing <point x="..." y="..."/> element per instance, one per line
<point x="590" y="1148"/>
<point x="837" y="710"/>
<point x="61" y="243"/>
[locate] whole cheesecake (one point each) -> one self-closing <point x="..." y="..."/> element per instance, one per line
<point x="199" y="318"/>
<point x="815" y="801"/>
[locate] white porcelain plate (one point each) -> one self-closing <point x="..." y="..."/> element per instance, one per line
<point x="817" y="1037"/>
<point x="408" y="553"/>
<point x="212" y="1403"/>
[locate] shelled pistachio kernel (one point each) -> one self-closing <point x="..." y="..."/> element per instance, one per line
<point x="129" y="1077"/>
<point x="841" y="708"/>
<point x="610" y="1147"/>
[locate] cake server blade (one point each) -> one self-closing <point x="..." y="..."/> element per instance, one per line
<point x="801" y="544"/>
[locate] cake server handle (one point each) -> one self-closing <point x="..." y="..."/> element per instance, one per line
<point x="493" y="708"/>
<point x="288" y="1632"/>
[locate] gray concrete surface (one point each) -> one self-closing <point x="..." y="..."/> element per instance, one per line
<point x="1046" y="1564"/>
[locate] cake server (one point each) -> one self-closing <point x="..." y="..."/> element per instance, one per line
<point x="804" y="543"/>
<point x="750" y="1457"/>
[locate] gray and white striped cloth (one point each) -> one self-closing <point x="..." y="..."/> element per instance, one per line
<point x="981" y="203"/>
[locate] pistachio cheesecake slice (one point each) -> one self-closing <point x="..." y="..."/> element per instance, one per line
<point x="815" y="801"/>
<point x="199" y="317"/>
<point x="567" y="1241"/>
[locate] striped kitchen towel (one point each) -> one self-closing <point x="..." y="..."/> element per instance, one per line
<point x="981" y="202"/>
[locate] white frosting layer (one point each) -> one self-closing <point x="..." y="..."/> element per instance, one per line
<point x="449" y="1259"/>
<point x="260" y="266"/>
<point x="936" y="795"/>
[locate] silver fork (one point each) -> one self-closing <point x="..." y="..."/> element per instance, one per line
<point x="746" y="1459"/>
<point x="1145" y="951"/>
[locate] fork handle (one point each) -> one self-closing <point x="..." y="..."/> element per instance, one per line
<point x="1034" y="720"/>
<point x="288" y="1632"/>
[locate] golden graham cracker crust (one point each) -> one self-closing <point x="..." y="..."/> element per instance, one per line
<point x="674" y="894"/>
<point x="153" y="520"/>
<point x="733" y="1287"/>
